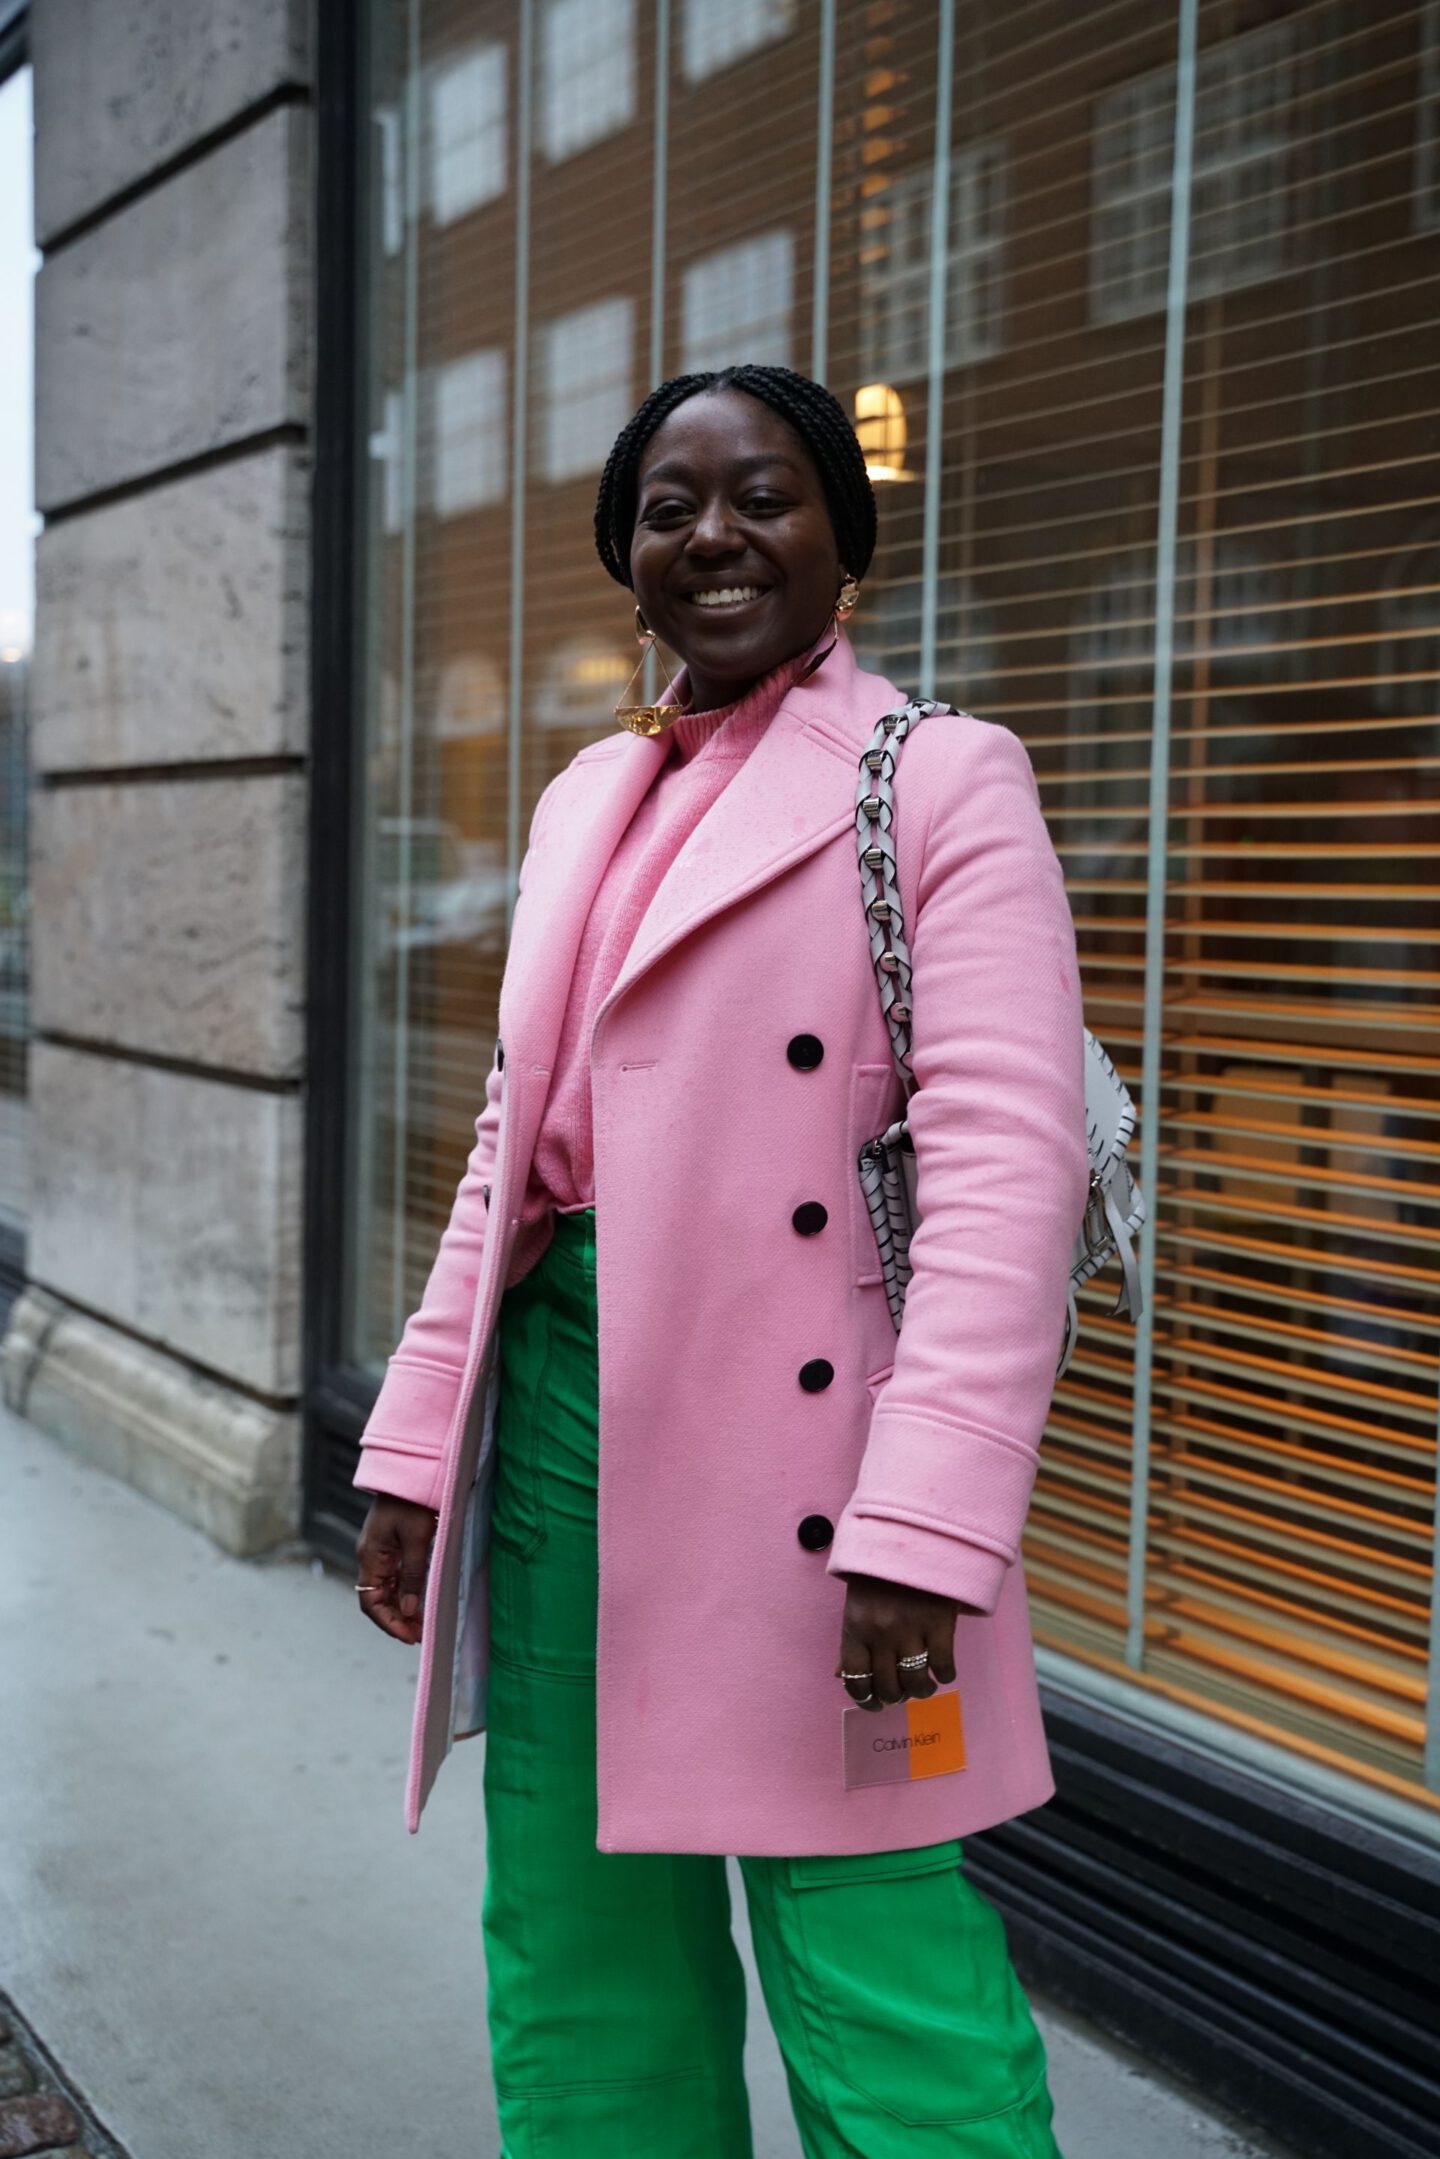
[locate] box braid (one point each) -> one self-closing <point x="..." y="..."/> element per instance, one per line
<point x="808" y="407"/>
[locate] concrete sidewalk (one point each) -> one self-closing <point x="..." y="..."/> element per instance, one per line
<point x="209" y="1908"/>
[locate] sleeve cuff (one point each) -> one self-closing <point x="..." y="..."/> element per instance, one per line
<point x="399" y="1475"/>
<point x="918" y="1559"/>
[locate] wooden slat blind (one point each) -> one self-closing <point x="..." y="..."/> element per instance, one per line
<point x="1289" y="1539"/>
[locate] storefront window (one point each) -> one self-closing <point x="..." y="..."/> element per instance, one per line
<point x="1173" y="519"/>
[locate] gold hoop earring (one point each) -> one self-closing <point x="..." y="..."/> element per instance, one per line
<point x="848" y="599"/>
<point x="642" y="718"/>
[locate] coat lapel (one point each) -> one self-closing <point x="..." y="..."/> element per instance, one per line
<point x="794" y="792"/>
<point x="582" y="830"/>
<point x="789" y="797"/>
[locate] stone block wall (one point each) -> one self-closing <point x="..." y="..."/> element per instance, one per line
<point x="161" y="1330"/>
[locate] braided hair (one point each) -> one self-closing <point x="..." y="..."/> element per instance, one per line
<point x="816" y="416"/>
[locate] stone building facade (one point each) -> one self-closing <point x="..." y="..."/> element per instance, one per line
<point x="160" y="1334"/>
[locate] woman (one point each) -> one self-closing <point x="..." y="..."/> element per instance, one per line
<point x="658" y="1302"/>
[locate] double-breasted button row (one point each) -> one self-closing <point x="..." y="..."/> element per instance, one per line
<point x="816" y="1531"/>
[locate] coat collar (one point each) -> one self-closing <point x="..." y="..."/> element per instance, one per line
<point x="794" y="792"/>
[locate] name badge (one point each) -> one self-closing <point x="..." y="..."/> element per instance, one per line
<point x="904" y="1742"/>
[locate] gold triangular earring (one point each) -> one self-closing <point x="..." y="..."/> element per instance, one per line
<point x="640" y="718"/>
<point x="848" y="599"/>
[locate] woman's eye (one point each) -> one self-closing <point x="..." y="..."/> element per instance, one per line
<point x="664" y="513"/>
<point x="766" y="505"/>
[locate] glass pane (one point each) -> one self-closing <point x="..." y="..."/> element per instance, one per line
<point x="1293" y="1448"/>
<point x="18" y="527"/>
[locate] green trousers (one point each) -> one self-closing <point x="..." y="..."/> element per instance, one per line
<point x="617" y="1999"/>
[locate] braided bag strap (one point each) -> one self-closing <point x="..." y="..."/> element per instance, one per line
<point x="879" y="874"/>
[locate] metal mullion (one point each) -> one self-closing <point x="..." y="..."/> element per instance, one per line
<point x="409" y="452"/>
<point x="1431" y="1762"/>
<point x="939" y="311"/>
<point x="659" y="180"/>
<point x="824" y="157"/>
<point x="519" y="459"/>
<point x="1172" y="408"/>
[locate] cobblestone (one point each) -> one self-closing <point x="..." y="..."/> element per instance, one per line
<point x="40" y="2116"/>
<point x="35" y="2124"/>
<point x="16" y="2075"/>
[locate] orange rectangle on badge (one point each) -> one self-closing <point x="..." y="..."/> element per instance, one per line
<point x="937" y="1736"/>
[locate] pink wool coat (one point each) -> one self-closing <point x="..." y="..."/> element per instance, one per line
<point x="719" y="1717"/>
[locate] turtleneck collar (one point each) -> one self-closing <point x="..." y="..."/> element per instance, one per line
<point x="737" y="723"/>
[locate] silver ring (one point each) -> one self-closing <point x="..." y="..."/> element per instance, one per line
<point x="369" y="1589"/>
<point x="913" y="1664"/>
<point x="857" y="1675"/>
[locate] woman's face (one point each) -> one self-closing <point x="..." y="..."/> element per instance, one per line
<point x="733" y="555"/>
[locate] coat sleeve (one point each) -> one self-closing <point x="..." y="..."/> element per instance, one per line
<point x="404" y="1437"/>
<point x="998" y="1124"/>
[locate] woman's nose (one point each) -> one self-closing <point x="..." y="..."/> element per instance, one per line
<point x="713" y="532"/>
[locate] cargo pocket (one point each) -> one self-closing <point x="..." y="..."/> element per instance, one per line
<point x="911" y="1978"/>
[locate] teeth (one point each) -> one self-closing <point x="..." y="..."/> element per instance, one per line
<point x="727" y="596"/>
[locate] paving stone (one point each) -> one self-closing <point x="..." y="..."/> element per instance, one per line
<point x="35" y="2125"/>
<point x="15" y="2073"/>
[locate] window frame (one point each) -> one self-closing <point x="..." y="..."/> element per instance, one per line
<point x="895" y="302"/>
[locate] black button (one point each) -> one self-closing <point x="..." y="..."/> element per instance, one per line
<point x="809" y="1218"/>
<point x="816" y="1374"/>
<point x="805" y="1052"/>
<point x="815" y="1532"/>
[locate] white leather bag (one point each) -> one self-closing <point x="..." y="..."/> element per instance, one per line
<point x="1115" y="1208"/>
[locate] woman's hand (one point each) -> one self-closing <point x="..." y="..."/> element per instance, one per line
<point x="393" y="1556"/>
<point x="885" y="1623"/>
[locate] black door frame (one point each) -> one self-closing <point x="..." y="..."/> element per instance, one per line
<point x="14" y="54"/>
<point x="337" y="1399"/>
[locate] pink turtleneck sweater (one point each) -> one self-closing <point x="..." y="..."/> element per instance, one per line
<point x="708" y="749"/>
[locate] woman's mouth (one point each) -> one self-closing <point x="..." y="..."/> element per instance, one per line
<point x="725" y="599"/>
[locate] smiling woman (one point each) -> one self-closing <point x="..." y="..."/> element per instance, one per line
<point x="690" y="1575"/>
<point x="733" y="560"/>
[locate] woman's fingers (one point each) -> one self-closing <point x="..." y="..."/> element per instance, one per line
<point x="887" y="1679"/>
<point x="913" y="1667"/>
<point x="904" y="1638"/>
<point x="854" y="1670"/>
<point x="393" y="1556"/>
<point x="941" y="1645"/>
